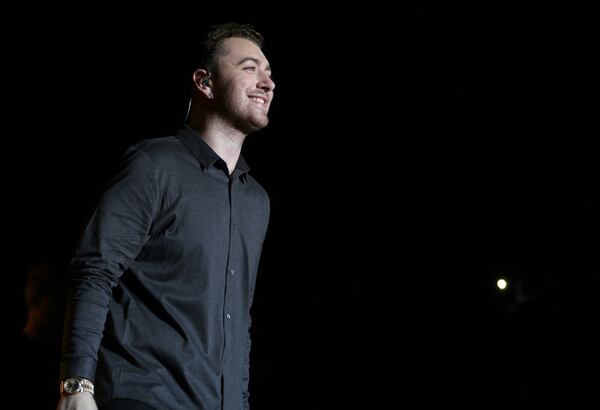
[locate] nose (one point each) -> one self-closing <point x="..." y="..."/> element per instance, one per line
<point x="266" y="83"/>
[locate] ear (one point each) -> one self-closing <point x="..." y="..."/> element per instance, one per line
<point x="202" y="82"/>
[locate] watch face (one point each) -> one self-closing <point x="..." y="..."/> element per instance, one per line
<point x="72" y="385"/>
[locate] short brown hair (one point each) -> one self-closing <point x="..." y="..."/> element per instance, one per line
<point x="212" y="44"/>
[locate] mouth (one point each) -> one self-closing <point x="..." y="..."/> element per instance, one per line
<point x="259" y="99"/>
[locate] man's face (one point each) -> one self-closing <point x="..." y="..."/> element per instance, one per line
<point x="243" y="88"/>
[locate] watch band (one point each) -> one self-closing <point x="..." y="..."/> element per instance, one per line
<point x="72" y="385"/>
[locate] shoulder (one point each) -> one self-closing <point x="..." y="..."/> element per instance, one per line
<point x="257" y="191"/>
<point x="158" y="153"/>
<point x="150" y="157"/>
<point x="255" y="186"/>
<point x="156" y="149"/>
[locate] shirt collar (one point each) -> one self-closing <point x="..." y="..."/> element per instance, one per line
<point x="205" y="155"/>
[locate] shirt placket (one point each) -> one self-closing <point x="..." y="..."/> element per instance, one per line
<point x="229" y="311"/>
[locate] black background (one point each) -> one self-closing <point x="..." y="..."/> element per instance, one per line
<point x="415" y="154"/>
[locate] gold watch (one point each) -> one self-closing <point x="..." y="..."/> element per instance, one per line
<point x="71" y="385"/>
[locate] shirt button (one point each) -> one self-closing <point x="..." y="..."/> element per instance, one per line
<point x="232" y="271"/>
<point x="228" y="316"/>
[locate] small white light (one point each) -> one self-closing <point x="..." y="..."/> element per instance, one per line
<point x="502" y="284"/>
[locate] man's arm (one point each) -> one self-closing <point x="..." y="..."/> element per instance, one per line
<point x="113" y="238"/>
<point x="77" y="401"/>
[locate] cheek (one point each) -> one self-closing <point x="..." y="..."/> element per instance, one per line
<point x="235" y="97"/>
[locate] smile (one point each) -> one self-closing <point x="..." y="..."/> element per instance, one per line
<point x="259" y="100"/>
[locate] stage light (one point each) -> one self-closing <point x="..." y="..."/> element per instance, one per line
<point x="502" y="284"/>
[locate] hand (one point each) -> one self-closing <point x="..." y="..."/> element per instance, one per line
<point x="77" y="401"/>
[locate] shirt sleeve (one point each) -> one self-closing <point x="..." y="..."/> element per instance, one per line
<point x="248" y="346"/>
<point x="111" y="240"/>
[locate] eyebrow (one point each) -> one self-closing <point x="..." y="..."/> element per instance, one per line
<point x="255" y="60"/>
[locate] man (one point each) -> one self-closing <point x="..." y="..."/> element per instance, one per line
<point x="158" y="315"/>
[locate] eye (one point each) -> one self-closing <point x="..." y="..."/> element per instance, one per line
<point x="250" y="68"/>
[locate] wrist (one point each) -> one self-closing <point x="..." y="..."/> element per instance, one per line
<point x="72" y="385"/>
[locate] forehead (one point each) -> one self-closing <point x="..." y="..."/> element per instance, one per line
<point x="239" y="49"/>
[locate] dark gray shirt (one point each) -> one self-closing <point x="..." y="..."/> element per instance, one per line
<point x="169" y="259"/>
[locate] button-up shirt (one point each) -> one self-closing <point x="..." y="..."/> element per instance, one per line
<point x="163" y="279"/>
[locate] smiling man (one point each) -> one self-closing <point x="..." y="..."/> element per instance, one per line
<point x="162" y="282"/>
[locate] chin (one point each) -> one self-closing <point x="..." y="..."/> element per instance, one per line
<point x="257" y="125"/>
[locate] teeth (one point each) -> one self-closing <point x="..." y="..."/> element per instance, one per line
<point x="259" y="100"/>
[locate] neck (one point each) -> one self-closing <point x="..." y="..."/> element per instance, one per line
<point x="224" y="140"/>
